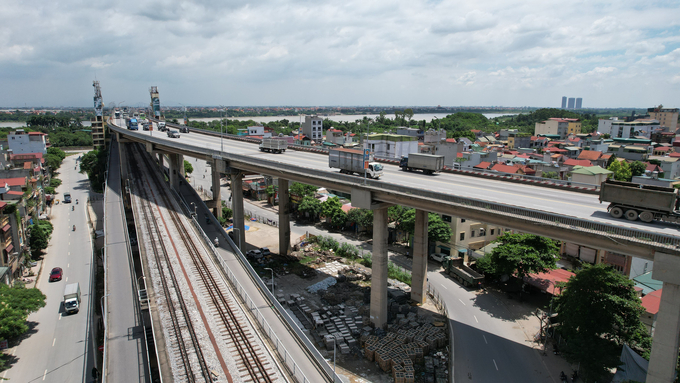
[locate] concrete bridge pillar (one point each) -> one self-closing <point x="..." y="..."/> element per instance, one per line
<point x="419" y="275"/>
<point x="284" y="217"/>
<point x="237" y="207"/>
<point x="379" y="269"/>
<point x="217" y="197"/>
<point x="666" y="340"/>
<point x="175" y="169"/>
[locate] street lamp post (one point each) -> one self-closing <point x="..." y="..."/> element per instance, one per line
<point x="267" y="268"/>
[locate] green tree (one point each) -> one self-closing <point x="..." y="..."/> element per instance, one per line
<point x="599" y="312"/>
<point x="637" y="168"/>
<point x="520" y="254"/>
<point x="38" y="240"/>
<point x="53" y="162"/>
<point x="15" y="305"/>
<point x="437" y="229"/>
<point x="550" y="175"/>
<point x="408" y="113"/>
<point x="311" y="206"/>
<point x="332" y="210"/>
<point x="621" y="170"/>
<point x="302" y="190"/>
<point x="94" y="164"/>
<point x="55" y="182"/>
<point x="57" y="152"/>
<point x="188" y="167"/>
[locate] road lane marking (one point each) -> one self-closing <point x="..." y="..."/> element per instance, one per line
<point x="53" y="341"/>
<point x="484" y="336"/>
<point x="461" y="301"/>
<point x="494" y="363"/>
<point x="66" y="279"/>
<point x="445" y="287"/>
<point x="68" y="264"/>
<point x="476" y="318"/>
<point x="45" y="374"/>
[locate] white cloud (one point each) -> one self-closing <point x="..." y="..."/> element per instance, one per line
<point x="379" y="52"/>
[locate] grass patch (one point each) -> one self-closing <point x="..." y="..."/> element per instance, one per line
<point x="306" y="260"/>
<point x="398" y="273"/>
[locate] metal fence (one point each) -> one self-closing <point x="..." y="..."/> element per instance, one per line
<point x="254" y="217"/>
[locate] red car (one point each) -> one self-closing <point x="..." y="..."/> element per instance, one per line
<point x="56" y="274"/>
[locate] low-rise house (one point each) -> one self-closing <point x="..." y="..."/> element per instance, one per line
<point x="413" y="132"/>
<point x="392" y="145"/>
<point x="651" y="304"/>
<point x="509" y="169"/>
<point x="302" y="139"/>
<point x="669" y="165"/>
<point x="571" y="163"/>
<point x="654" y="180"/>
<point x="630" y="152"/>
<point x="12" y="188"/>
<point x="591" y="175"/>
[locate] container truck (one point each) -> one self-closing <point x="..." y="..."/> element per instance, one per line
<point x="428" y="163"/>
<point x="351" y="161"/>
<point x="274" y="145"/>
<point x="72" y="298"/>
<point x="646" y="202"/>
<point x="161" y="126"/>
<point x="455" y="267"/>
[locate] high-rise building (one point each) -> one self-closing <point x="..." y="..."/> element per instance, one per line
<point x="564" y="102"/>
<point x="570" y="105"/>
<point x="312" y="127"/>
<point x="579" y="102"/>
<point x="667" y="117"/>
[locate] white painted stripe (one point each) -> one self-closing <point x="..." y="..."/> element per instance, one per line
<point x="494" y="363"/>
<point x="461" y="301"/>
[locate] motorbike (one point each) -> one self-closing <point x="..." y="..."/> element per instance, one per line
<point x="563" y="376"/>
<point x="76" y="202"/>
<point x="73" y="208"/>
<point x="74" y="227"/>
<point x="217" y="242"/>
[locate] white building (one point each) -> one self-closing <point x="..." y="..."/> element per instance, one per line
<point x="392" y="145"/>
<point x="21" y="142"/>
<point x="256" y="131"/>
<point x="621" y="129"/>
<point x="313" y="128"/>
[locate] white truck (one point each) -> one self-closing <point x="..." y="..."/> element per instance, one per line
<point x="273" y="145"/>
<point x="428" y="163"/>
<point x="161" y="126"/>
<point x="72" y="298"/>
<point x="351" y="161"/>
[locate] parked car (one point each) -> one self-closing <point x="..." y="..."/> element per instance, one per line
<point x="256" y="254"/>
<point x="265" y="251"/>
<point x="56" y="274"/>
<point x="439" y="257"/>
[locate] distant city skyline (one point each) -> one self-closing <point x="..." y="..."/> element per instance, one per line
<point x="414" y="53"/>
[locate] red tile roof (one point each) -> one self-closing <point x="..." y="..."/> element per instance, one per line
<point x="653" y="168"/>
<point x="2" y="205"/>
<point x="651" y="301"/>
<point x="482" y="165"/>
<point x="674" y="155"/>
<point x="573" y="162"/>
<point x="662" y="149"/>
<point x="547" y="281"/>
<point x="506" y="169"/>
<point x="14" y="192"/>
<point x="591" y="155"/>
<point x="19" y="181"/>
<point x="564" y="119"/>
<point x="555" y="150"/>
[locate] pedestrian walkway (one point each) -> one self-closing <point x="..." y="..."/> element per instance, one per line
<point x="125" y="346"/>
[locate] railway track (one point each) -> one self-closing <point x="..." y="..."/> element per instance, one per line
<point x="251" y="361"/>
<point x="189" y="350"/>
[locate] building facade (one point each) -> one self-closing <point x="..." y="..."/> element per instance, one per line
<point x="312" y="127"/>
<point x="667" y="117"/>
<point x="558" y="126"/>
<point x="392" y="145"/>
<point x="467" y="236"/>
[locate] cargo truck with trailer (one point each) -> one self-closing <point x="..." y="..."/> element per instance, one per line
<point x="455" y="267"/>
<point x="428" y="163"/>
<point x="273" y="145"/>
<point x="351" y="161"/>
<point x="72" y="298"/>
<point x="644" y="202"/>
<point x="132" y="124"/>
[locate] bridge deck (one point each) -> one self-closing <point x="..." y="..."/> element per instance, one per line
<point x="126" y="357"/>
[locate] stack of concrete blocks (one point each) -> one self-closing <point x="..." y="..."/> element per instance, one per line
<point x="340" y="323"/>
<point x="398" y="351"/>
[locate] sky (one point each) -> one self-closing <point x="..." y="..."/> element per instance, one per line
<point x="617" y="53"/>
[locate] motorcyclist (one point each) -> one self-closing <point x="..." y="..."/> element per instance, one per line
<point x="74" y="227"/>
<point x="73" y="208"/>
<point x="217" y="242"/>
<point x="76" y="201"/>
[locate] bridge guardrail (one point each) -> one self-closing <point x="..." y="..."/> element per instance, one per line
<point x="543" y="217"/>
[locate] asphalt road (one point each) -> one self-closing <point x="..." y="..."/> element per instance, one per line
<point x="58" y="347"/>
<point x="564" y="202"/>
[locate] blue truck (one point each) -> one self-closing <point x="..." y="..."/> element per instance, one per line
<point x="132" y="124"/>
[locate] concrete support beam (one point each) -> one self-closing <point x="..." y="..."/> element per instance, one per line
<point x="284" y="217"/>
<point x="379" y="269"/>
<point x="176" y="169"/>
<point x="419" y="275"/>
<point x="123" y="160"/>
<point x="217" y="196"/>
<point x="667" y="331"/>
<point x="237" y="208"/>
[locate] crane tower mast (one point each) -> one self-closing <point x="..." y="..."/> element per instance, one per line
<point x="155" y="102"/>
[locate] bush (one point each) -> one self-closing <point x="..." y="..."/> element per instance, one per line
<point x="55" y="182"/>
<point x="396" y="272"/>
<point x="327" y="243"/>
<point x="49" y="190"/>
<point x="367" y="260"/>
<point x="347" y="250"/>
<point x="47" y="227"/>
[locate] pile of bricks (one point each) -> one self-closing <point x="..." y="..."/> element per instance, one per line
<point x="399" y="351"/>
<point x="338" y="325"/>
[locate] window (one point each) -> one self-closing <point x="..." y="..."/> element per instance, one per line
<point x="492" y="230"/>
<point x="472" y="234"/>
<point x="446" y="218"/>
<point x="462" y="236"/>
<point x="482" y="232"/>
<point x="462" y="220"/>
